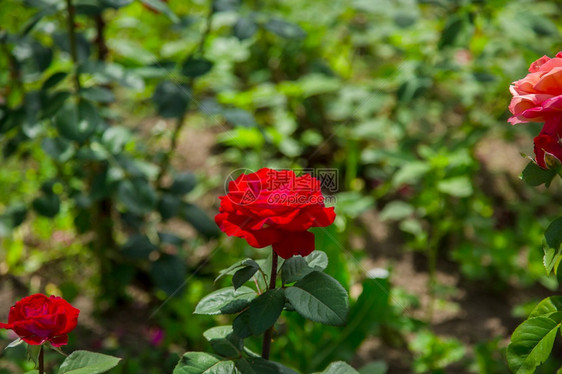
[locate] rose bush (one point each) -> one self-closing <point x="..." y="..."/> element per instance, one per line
<point x="275" y="208"/>
<point x="37" y="319"/>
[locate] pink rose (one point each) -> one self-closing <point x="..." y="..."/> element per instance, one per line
<point x="538" y="96"/>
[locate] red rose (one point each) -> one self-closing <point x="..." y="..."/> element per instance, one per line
<point x="37" y="319"/>
<point x="548" y="150"/>
<point x="275" y="208"/>
<point x="538" y="96"/>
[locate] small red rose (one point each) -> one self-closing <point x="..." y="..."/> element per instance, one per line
<point x="275" y="207"/>
<point x="38" y="319"/>
<point x="548" y="150"/>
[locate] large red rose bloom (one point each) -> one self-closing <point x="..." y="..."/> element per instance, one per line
<point x="275" y="208"/>
<point x="37" y="319"/>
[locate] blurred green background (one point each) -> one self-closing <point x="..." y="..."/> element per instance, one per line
<point x="120" y="123"/>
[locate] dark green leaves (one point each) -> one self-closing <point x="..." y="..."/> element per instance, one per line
<point x="319" y="298"/>
<point x="47" y="205"/>
<point x="183" y="183"/>
<point x="265" y="309"/>
<point x="245" y="274"/>
<point x="225" y="301"/>
<point x="171" y="99"/>
<point x="138" y="196"/>
<point x="199" y="220"/>
<point x="224" y="342"/>
<point x="195" y="67"/>
<point x="168" y="273"/>
<point x="285" y="29"/>
<point x="77" y="122"/>
<point x="97" y="94"/>
<point x="245" y="28"/>
<point x="84" y="362"/>
<point x="552" y="250"/>
<point x="294" y="269"/>
<point x="531" y="343"/>
<point x="534" y="175"/>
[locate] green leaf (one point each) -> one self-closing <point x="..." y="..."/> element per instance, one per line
<point x="138" y="196"/>
<point x="396" y="210"/>
<point x="115" y="138"/>
<point x="375" y="367"/>
<point x="534" y="175"/>
<point x="285" y="29"/>
<point x="245" y="274"/>
<point x="169" y="273"/>
<point x="226" y="301"/>
<point x="168" y="206"/>
<point x="234" y="267"/>
<point x="364" y="317"/>
<point x="318" y="260"/>
<point x="47" y="205"/>
<point x="531" y="343"/>
<point x="549" y="305"/>
<point x="53" y="80"/>
<point x="77" y="123"/>
<point x="458" y="186"/>
<point x="451" y="31"/>
<point x="200" y="220"/>
<point x="97" y="94"/>
<point x="294" y="269"/>
<point x="14" y="343"/>
<point x="257" y="365"/>
<point x="240" y="117"/>
<point x="320" y="298"/>
<point x="225" y="5"/>
<point x="171" y="99"/>
<point x="84" y="362"/>
<point x="183" y="183"/>
<point x="553" y="234"/>
<point x="339" y="367"/>
<point x="53" y="103"/>
<point x="224" y="342"/>
<point x="203" y="363"/>
<point x="195" y="67"/>
<point x="245" y="28"/>
<point x="265" y="309"/>
<point x="241" y="325"/>
<point x="163" y="8"/>
<point x="59" y="149"/>
<point x="551" y="259"/>
<point x="138" y="247"/>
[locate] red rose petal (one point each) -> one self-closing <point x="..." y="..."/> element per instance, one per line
<point x="295" y="243"/>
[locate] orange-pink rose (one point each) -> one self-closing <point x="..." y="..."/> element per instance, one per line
<point x="538" y="96"/>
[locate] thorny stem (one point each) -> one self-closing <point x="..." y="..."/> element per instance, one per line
<point x="266" y="347"/>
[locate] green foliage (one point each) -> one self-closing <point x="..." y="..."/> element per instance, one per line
<point x="84" y="362"/>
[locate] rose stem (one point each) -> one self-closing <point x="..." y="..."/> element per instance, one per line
<point x="41" y="362"/>
<point x="267" y="336"/>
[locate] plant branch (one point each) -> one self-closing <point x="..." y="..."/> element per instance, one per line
<point x="72" y="39"/>
<point x="41" y="361"/>
<point x="266" y="347"/>
<point x="165" y="164"/>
